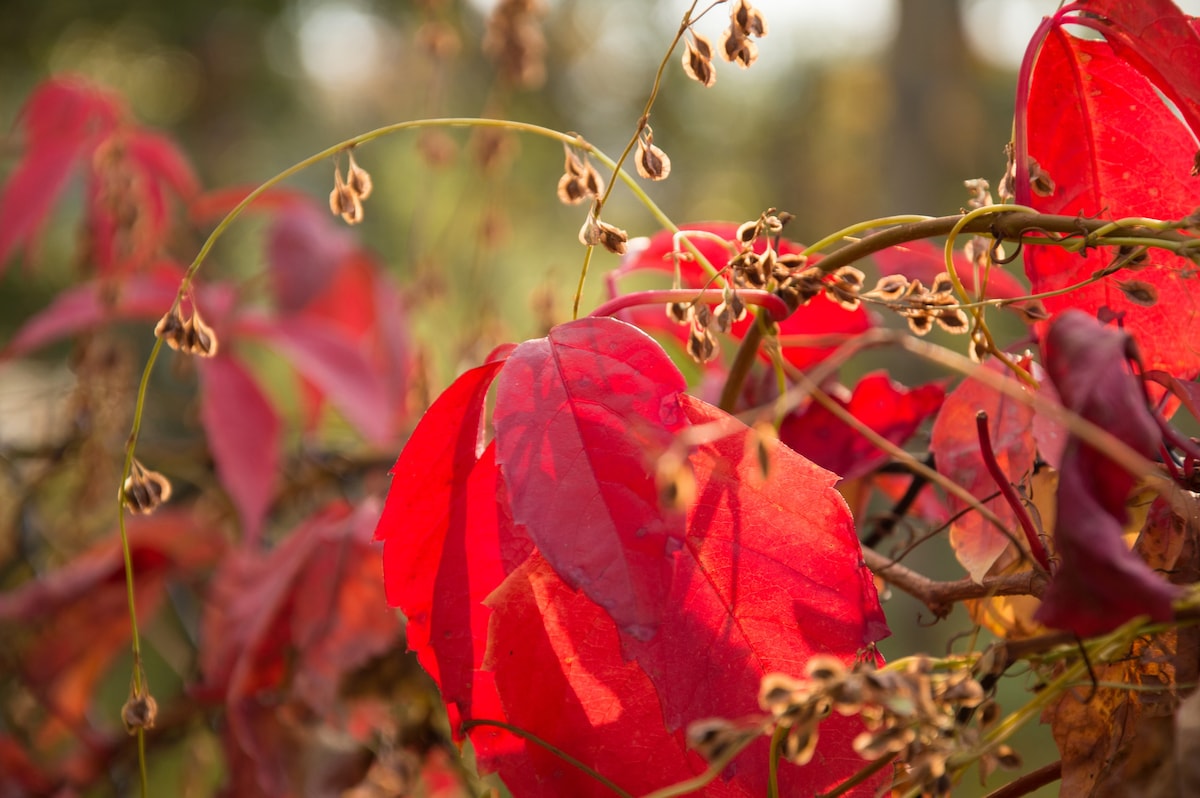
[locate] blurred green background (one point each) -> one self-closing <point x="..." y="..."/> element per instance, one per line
<point x="854" y="110"/>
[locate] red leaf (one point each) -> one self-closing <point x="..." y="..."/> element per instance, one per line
<point x="63" y="120"/>
<point x="1160" y="41"/>
<point x="770" y="573"/>
<point x="304" y="251"/>
<point x="1100" y="583"/>
<point x="581" y="419"/>
<point x="1112" y="147"/>
<point x="819" y="317"/>
<point x="449" y="542"/>
<point x="334" y="363"/>
<point x="886" y="407"/>
<point x="586" y="699"/>
<point x="285" y="627"/>
<point x="243" y="435"/>
<point x="955" y="446"/>
<point x="88" y="305"/>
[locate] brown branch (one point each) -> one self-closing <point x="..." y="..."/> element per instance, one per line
<point x="940" y="597"/>
<point x="1047" y="774"/>
<point x="1005" y="225"/>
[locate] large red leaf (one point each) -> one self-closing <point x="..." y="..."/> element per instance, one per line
<point x="956" y="449"/>
<point x="448" y="543"/>
<point x="243" y="435"/>
<point x="582" y="417"/>
<point x="770" y="573"/>
<point x="1112" y="147"/>
<point x="819" y="317"/>
<point x="886" y="407"/>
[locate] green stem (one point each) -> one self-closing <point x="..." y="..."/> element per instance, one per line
<point x="467" y="725"/>
<point x="777" y="739"/>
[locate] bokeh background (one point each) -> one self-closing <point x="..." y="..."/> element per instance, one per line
<point x="855" y="109"/>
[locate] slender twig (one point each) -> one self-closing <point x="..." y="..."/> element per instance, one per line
<point x="887" y="523"/>
<point x="1010" y="495"/>
<point x="859" y="777"/>
<point x="940" y="597"/>
<point x="467" y="725"/>
<point x="1034" y="779"/>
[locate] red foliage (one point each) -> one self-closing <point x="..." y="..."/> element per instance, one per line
<point x="582" y="416"/>
<point x="284" y="627"/>
<point x="1100" y="583"/>
<point x="1111" y="147"/>
<point x="884" y="406"/>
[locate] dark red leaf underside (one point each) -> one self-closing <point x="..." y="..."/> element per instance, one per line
<point x="282" y="629"/>
<point x="1099" y="583"/>
<point x="1113" y="149"/>
<point x="582" y="417"/>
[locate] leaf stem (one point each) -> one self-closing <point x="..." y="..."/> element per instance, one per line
<point x="467" y="725"/>
<point x="1006" y="489"/>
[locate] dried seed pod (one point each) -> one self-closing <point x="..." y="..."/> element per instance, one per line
<point x="980" y="191"/>
<point x="343" y="201"/>
<point x="1139" y="292"/>
<point x="697" y="60"/>
<point x="919" y="321"/>
<point x="748" y="19"/>
<point x="701" y="345"/>
<point x="1040" y="180"/>
<point x="652" y="163"/>
<point x="139" y="712"/>
<point x="747" y="232"/>
<point x="872" y="745"/>
<point x="680" y="312"/>
<point x="145" y="490"/>
<point x="952" y="320"/>
<point x="676" y="482"/>
<point x="198" y="337"/>
<point x="800" y="744"/>
<point x="889" y="288"/>
<point x="358" y="179"/>
<point x="942" y="285"/>
<point x="825" y="669"/>
<point x="737" y="48"/>
<point x="170" y="328"/>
